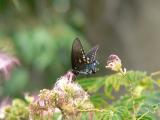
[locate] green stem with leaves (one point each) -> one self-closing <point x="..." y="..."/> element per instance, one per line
<point x="131" y="93"/>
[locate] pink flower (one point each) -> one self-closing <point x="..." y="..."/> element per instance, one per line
<point x="114" y="63"/>
<point x="7" y="63"/>
<point x="71" y="96"/>
<point x="70" y="76"/>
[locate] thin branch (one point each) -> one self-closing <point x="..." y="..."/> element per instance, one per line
<point x="92" y="110"/>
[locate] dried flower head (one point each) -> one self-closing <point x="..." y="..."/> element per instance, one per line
<point x="7" y="63"/>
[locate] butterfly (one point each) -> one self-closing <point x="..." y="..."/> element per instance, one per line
<point x="83" y="63"/>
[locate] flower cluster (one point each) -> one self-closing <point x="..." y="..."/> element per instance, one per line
<point x="72" y="97"/>
<point x="66" y="95"/>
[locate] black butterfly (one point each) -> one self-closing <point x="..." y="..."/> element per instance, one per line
<point x="83" y="63"/>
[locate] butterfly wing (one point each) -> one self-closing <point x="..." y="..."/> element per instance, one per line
<point x="77" y="55"/>
<point x="91" y="54"/>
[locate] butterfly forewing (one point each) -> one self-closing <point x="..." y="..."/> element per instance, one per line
<point x="77" y="56"/>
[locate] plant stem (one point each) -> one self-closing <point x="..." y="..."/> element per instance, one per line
<point x="155" y="73"/>
<point x="143" y="115"/>
<point x="133" y="102"/>
<point x="155" y="83"/>
<point x="92" y="110"/>
<point x="131" y="92"/>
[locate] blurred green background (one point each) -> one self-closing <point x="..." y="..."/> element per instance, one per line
<point x="40" y="33"/>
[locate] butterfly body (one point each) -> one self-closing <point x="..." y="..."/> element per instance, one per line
<point x="89" y="68"/>
<point x="83" y="63"/>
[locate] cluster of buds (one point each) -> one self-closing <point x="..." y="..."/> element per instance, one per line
<point x="17" y="109"/>
<point x="114" y="63"/>
<point x="66" y="95"/>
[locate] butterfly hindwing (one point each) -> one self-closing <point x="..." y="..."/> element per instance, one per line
<point x="91" y="54"/>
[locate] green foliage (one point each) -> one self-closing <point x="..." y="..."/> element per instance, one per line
<point x="121" y="108"/>
<point x="139" y="103"/>
<point x="115" y="82"/>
